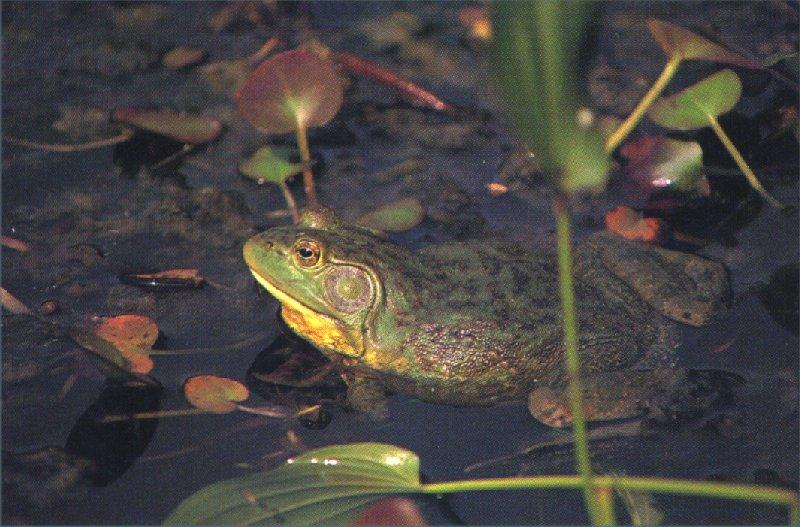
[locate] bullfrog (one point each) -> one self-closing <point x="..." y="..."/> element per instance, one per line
<point x="479" y="322"/>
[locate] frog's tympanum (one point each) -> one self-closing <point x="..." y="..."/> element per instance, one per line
<point x="479" y="323"/>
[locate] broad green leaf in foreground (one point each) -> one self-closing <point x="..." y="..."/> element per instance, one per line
<point x="692" y="107"/>
<point x="325" y="485"/>
<point x="270" y="164"/>
<point x="397" y="216"/>
<point x="537" y="47"/>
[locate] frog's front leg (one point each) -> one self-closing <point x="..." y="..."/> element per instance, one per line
<point x="367" y="396"/>
<point x="684" y="287"/>
<point x="634" y="393"/>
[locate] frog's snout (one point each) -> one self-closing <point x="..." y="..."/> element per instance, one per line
<point x="255" y="249"/>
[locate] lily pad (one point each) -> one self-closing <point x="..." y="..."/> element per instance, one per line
<point x="658" y="162"/>
<point x="270" y="164"/>
<point x="679" y="41"/>
<point x="323" y="486"/>
<point x="172" y="278"/>
<point x="13" y="304"/>
<point x="189" y="129"/>
<point x="133" y="336"/>
<point x="182" y="57"/>
<point x="400" y="215"/>
<point x="217" y="395"/>
<point x="293" y="89"/>
<point x="694" y="106"/>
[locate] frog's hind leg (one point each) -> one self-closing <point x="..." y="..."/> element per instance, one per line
<point x="682" y="286"/>
<point x="675" y="393"/>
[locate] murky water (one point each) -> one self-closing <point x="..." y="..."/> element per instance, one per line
<point x="198" y="214"/>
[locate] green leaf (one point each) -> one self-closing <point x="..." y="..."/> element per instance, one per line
<point x="656" y="162"/>
<point x="692" y="107"/>
<point x="676" y="40"/>
<point x="270" y="164"/>
<point x="400" y="215"/>
<point x="321" y="486"/>
<point x="189" y="129"/>
<point x="537" y="47"/>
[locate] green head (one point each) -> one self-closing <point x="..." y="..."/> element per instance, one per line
<point x="339" y="286"/>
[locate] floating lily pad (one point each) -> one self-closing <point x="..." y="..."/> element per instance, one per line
<point x="692" y="107"/>
<point x="190" y="129"/>
<point x="391" y="511"/>
<point x="217" y="395"/>
<point x="328" y="485"/>
<point x="626" y="222"/>
<point x="13" y="304"/>
<point x="172" y="278"/>
<point x="133" y="336"/>
<point x="293" y="89"/>
<point x="677" y="40"/>
<point x="270" y="164"/>
<point x="397" y="216"/>
<point x="658" y="162"/>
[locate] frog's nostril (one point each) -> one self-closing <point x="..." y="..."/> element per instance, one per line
<point x="267" y="244"/>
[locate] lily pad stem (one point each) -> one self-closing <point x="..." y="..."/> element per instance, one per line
<point x="289" y="197"/>
<point x="122" y="137"/>
<point x="114" y="418"/>
<point x="636" y="115"/>
<point x="740" y="162"/>
<point x="305" y="156"/>
<point x="598" y="502"/>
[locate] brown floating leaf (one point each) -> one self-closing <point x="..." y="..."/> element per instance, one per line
<point x="11" y="303"/>
<point x="13" y="243"/>
<point x="133" y="336"/>
<point x="173" y="278"/>
<point x="191" y="129"/>
<point x="217" y="395"/>
<point x="477" y="21"/>
<point x="293" y="89"/>
<point x="391" y="511"/>
<point x="182" y="57"/>
<point x="626" y="222"/>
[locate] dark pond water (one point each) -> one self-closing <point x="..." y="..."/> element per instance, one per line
<point x="93" y="216"/>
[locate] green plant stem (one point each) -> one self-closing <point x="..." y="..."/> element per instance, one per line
<point x="152" y="415"/>
<point x="289" y="197"/>
<point x="566" y="287"/>
<point x="740" y="162"/>
<point x="305" y="156"/>
<point x="708" y="489"/>
<point x="636" y="115"/>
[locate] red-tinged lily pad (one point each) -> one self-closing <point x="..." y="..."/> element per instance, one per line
<point x="397" y="216"/>
<point x="679" y="41"/>
<point x="182" y="57"/>
<point x="13" y="243"/>
<point x="217" y="395"/>
<point x="14" y="305"/>
<point x="133" y="336"/>
<point x="291" y="90"/>
<point x="189" y="129"/>
<point x="658" y="162"/>
<point x="270" y="165"/>
<point x="391" y="511"/>
<point x="626" y="222"/>
<point x="696" y="106"/>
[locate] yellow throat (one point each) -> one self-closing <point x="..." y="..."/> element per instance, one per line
<point x="320" y="330"/>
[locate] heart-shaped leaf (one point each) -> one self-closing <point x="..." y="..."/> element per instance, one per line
<point x="217" y="395"/>
<point x="323" y="486"/>
<point x="658" y="162"/>
<point x="293" y="89"/>
<point x="190" y="129"/>
<point x="133" y="336"/>
<point x="679" y="41"/>
<point x="693" y="107"/>
<point x="270" y="164"/>
<point x="400" y="215"/>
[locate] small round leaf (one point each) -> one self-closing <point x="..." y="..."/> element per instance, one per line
<point x="676" y="40"/>
<point x="217" y="395"/>
<point x="190" y="129"/>
<point x="293" y="89"/>
<point x="270" y="164"/>
<point x="400" y="215"/>
<point x="133" y="336"/>
<point x="693" y="107"/>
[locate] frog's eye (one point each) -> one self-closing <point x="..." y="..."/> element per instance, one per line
<point x="348" y="289"/>
<point x="306" y="253"/>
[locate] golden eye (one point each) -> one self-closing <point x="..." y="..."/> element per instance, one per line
<point x="306" y="253"/>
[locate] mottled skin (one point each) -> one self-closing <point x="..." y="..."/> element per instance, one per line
<point x="480" y="323"/>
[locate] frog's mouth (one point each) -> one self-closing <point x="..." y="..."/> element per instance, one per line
<point x="321" y="330"/>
